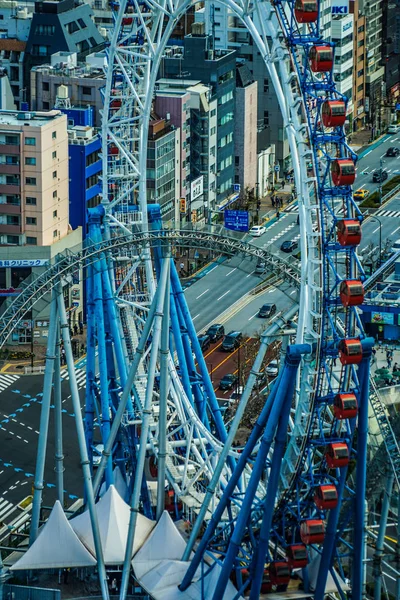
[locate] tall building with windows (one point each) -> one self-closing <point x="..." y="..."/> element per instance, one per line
<point x="375" y="89"/>
<point x="216" y="69"/>
<point x="33" y="178"/>
<point x="360" y="67"/>
<point x="391" y="50"/>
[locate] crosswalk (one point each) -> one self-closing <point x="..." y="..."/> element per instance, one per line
<point x="6" y="380"/>
<point x="6" y="509"/>
<point x="388" y="213"/>
<point x="294" y="208"/>
<point x="80" y="377"/>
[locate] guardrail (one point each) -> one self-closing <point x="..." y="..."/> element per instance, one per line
<point x="381" y="271"/>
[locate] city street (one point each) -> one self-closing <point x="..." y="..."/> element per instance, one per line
<point x="370" y="162"/>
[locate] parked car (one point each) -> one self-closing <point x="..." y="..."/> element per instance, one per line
<point x="393" y="128"/>
<point x="204" y="341"/>
<point x="257" y="230"/>
<point x="289" y="245"/>
<point x="231" y="341"/>
<point x="361" y="195"/>
<point x="380" y="176"/>
<point x="266" y="311"/>
<point x="393" y="151"/>
<point x="272" y="369"/>
<point x="97" y="453"/>
<point x="395" y="246"/>
<point x="237" y="394"/>
<point x="215" y="332"/>
<point x="261" y="267"/>
<point x="228" y="381"/>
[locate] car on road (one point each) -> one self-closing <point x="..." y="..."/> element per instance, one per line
<point x="395" y="246"/>
<point x="289" y="245"/>
<point x="266" y="311"/>
<point x="232" y="341"/>
<point x="261" y="267"/>
<point x="97" y="453"/>
<point x="257" y="230"/>
<point x="237" y="394"/>
<point x="393" y="151"/>
<point x="272" y="369"/>
<point x="215" y="332"/>
<point x="204" y="341"/>
<point x="228" y="381"/>
<point x="393" y="128"/>
<point x="361" y="194"/>
<point x="380" y="175"/>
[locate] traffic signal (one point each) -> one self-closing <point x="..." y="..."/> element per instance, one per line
<point x="194" y="216"/>
<point x="182" y="205"/>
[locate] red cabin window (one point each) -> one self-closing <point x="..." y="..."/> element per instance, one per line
<point x="266" y="584"/>
<point x="326" y="497"/>
<point x="306" y="11"/>
<point x="127" y="21"/>
<point x="297" y="556"/>
<point x="345" y="406"/>
<point x="350" y="352"/>
<point x="113" y="150"/>
<point x="337" y="455"/>
<point x="321" y="58"/>
<point x="348" y="232"/>
<point x="351" y="292"/>
<point x="279" y="572"/>
<point x="343" y="171"/>
<point x="333" y="113"/>
<point x="115" y="104"/>
<point x="312" y="531"/>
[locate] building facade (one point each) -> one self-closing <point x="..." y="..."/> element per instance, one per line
<point x="375" y="89"/>
<point x="360" y="67"/>
<point x="246" y="130"/>
<point x="33" y="178"/>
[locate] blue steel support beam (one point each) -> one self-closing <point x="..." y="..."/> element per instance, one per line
<point x="258" y="563"/>
<point x="251" y="490"/>
<point x="90" y="365"/>
<point x="378" y="554"/>
<point x="361" y="473"/>
<point x="180" y="351"/>
<point x="230" y="488"/>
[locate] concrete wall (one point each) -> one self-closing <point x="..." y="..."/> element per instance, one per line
<point x="246" y="136"/>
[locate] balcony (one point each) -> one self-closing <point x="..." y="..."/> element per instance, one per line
<point x="9" y="169"/>
<point x="10" y="209"/>
<point x="11" y="229"/>
<point x="9" y="148"/>
<point x="10" y="189"/>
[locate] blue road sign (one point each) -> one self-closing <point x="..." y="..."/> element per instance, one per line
<point x="237" y="220"/>
<point x="398" y="106"/>
<point x="236" y="187"/>
<point x="277" y="168"/>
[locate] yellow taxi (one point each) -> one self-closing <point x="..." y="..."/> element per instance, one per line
<point x="361" y="194"/>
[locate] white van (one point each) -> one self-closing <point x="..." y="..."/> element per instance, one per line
<point x="393" y="128"/>
<point x="395" y="246"/>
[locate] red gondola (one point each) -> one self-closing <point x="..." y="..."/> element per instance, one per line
<point x="337" y="455"/>
<point x="127" y="21"/>
<point x="348" y="232"/>
<point x="297" y="556"/>
<point x="266" y="584"/>
<point x="350" y="351"/>
<point x="326" y="497"/>
<point x="351" y="292"/>
<point x="306" y="11"/>
<point x="321" y="58"/>
<point x="333" y="113"/>
<point x="279" y="572"/>
<point x="343" y="171"/>
<point x="113" y="150"/>
<point x="115" y="104"/>
<point x="345" y="406"/>
<point x="312" y="531"/>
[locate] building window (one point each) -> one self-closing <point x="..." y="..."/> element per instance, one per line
<point x="266" y="118"/>
<point x="55" y="233"/>
<point x="31" y="221"/>
<point x="360" y="87"/>
<point x="12" y="180"/>
<point x="46" y="105"/>
<point x="266" y="86"/>
<point x="30" y="160"/>
<point x="54" y="174"/>
<point x="39" y="50"/>
<point x="92" y="42"/>
<point x="225" y="98"/>
<point x="92" y="180"/>
<point x="361" y="29"/>
<point x="72" y="27"/>
<point x="13" y="239"/>
<point x="55" y="194"/>
<point x="82" y="23"/>
<point x="45" y="29"/>
<point x="237" y="161"/>
<point x="30" y="180"/>
<point x="54" y="214"/>
<point x="12" y="219"/>
<point x="360" y="43"/>
<point x="212" y="131"/>
<point x="213" y="112"/>
<point x="30" y="141"/>
<point x="92" y="158"/>
<point x="87" y="91"/>
<point x="30" y="200"/>
<point x="360" y="73"/>
<point x="12" y="160"/>
<point x="31" y="241"/>
<point x="54" y="135"/>
<point x="12" y="140"/>
<point x="54" y="155"/>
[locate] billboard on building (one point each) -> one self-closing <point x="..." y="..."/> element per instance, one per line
<point x="382" y="318"/>
<point x="196" y="188"/>
<point x="340" y="7"/>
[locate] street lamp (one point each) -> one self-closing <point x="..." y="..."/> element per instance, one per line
<point x="380" y="238"/>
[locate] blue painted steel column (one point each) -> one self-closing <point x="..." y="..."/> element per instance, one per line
<point x="361" y="472"/>
<point x="222" y="504"/>
<point x="377" y="560"/>
<point x="256" y="474"/>
<point x="90" y="365"/>
<point x="58" y="433"/>
<point x="44" y="420"/>
<point x="177" y="337"/>
<point x="292" y="362"/>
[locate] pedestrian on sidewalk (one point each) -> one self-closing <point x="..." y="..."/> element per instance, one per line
<point x="278" y="214"/>
<point x="273" y="201"/>
<point x="283" y="184"/>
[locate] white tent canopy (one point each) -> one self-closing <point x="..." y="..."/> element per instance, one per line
<point x="56" y="547"/>
<point x="159" y="569"/>
<point x="113" y="517"/>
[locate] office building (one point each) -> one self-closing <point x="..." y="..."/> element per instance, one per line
<point x="391" y="50"/>
<point x="163" y="168"/>
<point x="375" y="88"/>
<point x="246" y="130"/>
<point x="360" y="67"/>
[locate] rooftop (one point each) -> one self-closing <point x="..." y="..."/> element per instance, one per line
<point x="83" y="71"/>
<point x="38" y="119"/>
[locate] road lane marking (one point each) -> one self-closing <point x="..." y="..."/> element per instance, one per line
<point x="375" y="230"/>
<point x="230" y="272"/>
<point x="213" y="350"/>
<point x="382" y="155"/>
<point x="366" y="154"/>
<point x="272" y="290"/>
<point x="222" y="296"/>
<point x="213" y="269"/>
<point x="250" y="274"/>
<point x="203" y="294"/>
<point x="393" y="232"/>
<point x="255" y="314"/>
<point x="194" y="318"/>
<point x="291" y="293"/>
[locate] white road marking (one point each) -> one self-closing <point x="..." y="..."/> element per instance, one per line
<point x="366" y="154"/>
<point x="223" y="295"/>
<point x="230" y="272"/>
<point x="202" y="294"/>
<point x="272" y="290"/>
<point x="291" y="293"/>
<point x="382" y="155"/>
<point x="255" y="314"/>
<point x="393" y="232"/>
<point x="192" y="319"/>
<point x="250" y="274"/>
<point x="213" y="269"/>
<point x="375" y="230"/>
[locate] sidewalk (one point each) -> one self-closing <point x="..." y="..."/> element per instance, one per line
<point x="380" y="360"/>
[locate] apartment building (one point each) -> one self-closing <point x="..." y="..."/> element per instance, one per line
<point x="33" y="178"/>
<point x="360" y="67"/>
<point x="375" y="89"/>
<point x="246" y="130"/>
<point x="342" y="34"/>
<point x="391" y="50"/>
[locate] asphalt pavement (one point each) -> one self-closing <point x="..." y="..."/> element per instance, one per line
<point x="370" y="162"/>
